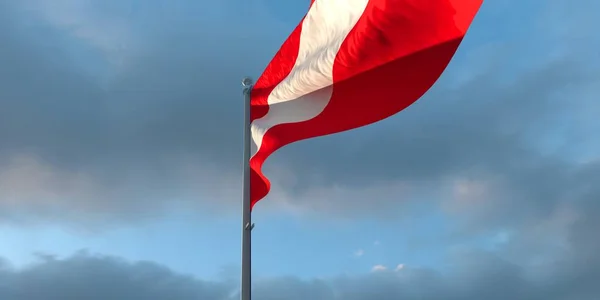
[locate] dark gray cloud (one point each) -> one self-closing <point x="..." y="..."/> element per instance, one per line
<point x="119" y="108"/>
<point x="92" y="277"/>
<point x="112" y="120"/>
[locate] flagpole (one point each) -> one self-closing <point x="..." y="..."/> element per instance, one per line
<point x="246" y="282"/>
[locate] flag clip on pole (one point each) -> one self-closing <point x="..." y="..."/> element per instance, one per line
<point x="247" y="225"/>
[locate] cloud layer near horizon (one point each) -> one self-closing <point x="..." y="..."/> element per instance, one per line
<point x="472" y="275"/>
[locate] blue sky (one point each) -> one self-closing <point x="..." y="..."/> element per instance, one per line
<point x="120" y="136"/>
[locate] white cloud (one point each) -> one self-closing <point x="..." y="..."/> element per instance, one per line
<point x="378" y="268"/>
<point x="359" y="252"/>
<point x="399" y="267"/>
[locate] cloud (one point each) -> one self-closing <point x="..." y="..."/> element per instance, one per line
<point x="359" y="253"/>
<point x="378" y="268"/>
<point x="471" y="275"/>
<point x="131" y="108"/>
<point x="120" y="137"/>
<point x="33" y="192"/>
<point x="399" y="267"/>
<point x="382" y="268"/>
<point x="95" y="277"/>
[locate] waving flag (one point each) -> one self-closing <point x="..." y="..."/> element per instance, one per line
<point x="350" y="63"/>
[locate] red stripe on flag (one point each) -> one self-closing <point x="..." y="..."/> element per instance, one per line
<point x="277" y="70"/>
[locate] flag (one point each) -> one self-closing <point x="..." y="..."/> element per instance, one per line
<point x="350" y="63"/>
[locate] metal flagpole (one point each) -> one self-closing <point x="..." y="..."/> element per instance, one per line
<point x="247" y="225"/>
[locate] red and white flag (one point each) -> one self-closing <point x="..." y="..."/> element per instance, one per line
<point x="350" y="63"/>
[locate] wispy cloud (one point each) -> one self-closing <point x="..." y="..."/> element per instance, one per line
<point x="359" y="253"/>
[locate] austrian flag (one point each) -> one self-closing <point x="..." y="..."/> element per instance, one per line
<point x="350" y="63"/>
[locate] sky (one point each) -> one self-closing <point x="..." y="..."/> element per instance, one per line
<point x="120" y="161"/>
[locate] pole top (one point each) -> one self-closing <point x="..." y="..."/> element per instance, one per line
<point x="247" y="82"/>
